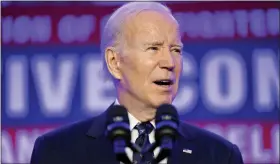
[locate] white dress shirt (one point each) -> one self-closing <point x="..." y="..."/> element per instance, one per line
<point x="134" y="135"/>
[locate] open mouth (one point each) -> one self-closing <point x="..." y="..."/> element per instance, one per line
<point x="166" y="82"/>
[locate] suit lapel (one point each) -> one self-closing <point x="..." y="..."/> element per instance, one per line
<point x="99" y="148"/>
<point x="184" y="150"/>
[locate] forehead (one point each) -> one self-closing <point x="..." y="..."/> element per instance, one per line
<point x="149" y="26"/>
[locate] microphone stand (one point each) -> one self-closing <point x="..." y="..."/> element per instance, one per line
<point x="120" y="145"/>
<point x="119" y="149"/>
<point x="165" y="151"/>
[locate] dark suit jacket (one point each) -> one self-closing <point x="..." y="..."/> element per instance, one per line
<point x="85" y="143"/>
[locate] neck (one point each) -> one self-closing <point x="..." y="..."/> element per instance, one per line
<point x="135" y="106"/>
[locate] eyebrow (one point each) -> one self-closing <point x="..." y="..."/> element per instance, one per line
<point x="158" y="43"/>
<point x="178" y="45"/>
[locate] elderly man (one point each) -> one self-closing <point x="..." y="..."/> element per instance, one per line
<point x="142" y="53"/>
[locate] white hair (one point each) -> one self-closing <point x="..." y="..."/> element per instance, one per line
<point x="113" y="29"/>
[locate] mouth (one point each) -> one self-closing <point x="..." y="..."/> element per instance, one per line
<point x="164" y="82"/>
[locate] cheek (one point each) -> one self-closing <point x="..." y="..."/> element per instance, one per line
<point x="179" y="67"/>
<point x="130" y="62"/>
<point x="128" y="69"/>
<point x="134" y="70"/>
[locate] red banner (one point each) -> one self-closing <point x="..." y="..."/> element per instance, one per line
<point x="82" y="24"/>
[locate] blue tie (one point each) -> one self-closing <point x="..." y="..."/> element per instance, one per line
<point x="144" y="129"/>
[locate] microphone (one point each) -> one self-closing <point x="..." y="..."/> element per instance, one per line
<point x="167" y="123"/>
<point x="118" y="132"/>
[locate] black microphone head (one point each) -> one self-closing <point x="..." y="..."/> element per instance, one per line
<point x="117" y="113"/>
<point x="167" y="112"/>
<point x="118" y="123"/>
<point x="167" y="121"/>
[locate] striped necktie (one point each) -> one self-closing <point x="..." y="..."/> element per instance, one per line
<point x="144" y="129"/>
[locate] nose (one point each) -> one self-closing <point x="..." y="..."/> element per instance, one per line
<point x="167" y="61"/>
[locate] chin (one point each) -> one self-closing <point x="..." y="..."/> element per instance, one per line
<point x="159" y="101"/>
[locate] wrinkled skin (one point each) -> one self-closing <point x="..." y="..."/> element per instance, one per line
<point x="151" y="50"/>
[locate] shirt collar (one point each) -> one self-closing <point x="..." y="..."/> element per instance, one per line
<point x="132" y="120"/>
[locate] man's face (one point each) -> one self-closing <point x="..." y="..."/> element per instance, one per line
<point x="151" y="60"/>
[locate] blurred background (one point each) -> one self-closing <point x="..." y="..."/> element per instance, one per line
<point x="50" y="64"/>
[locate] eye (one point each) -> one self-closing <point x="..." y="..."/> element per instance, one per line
<point x="153" y="48"/>
<point x="177" y="50"/>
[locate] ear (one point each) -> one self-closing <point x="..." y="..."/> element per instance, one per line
<point x="113" y="62"/>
